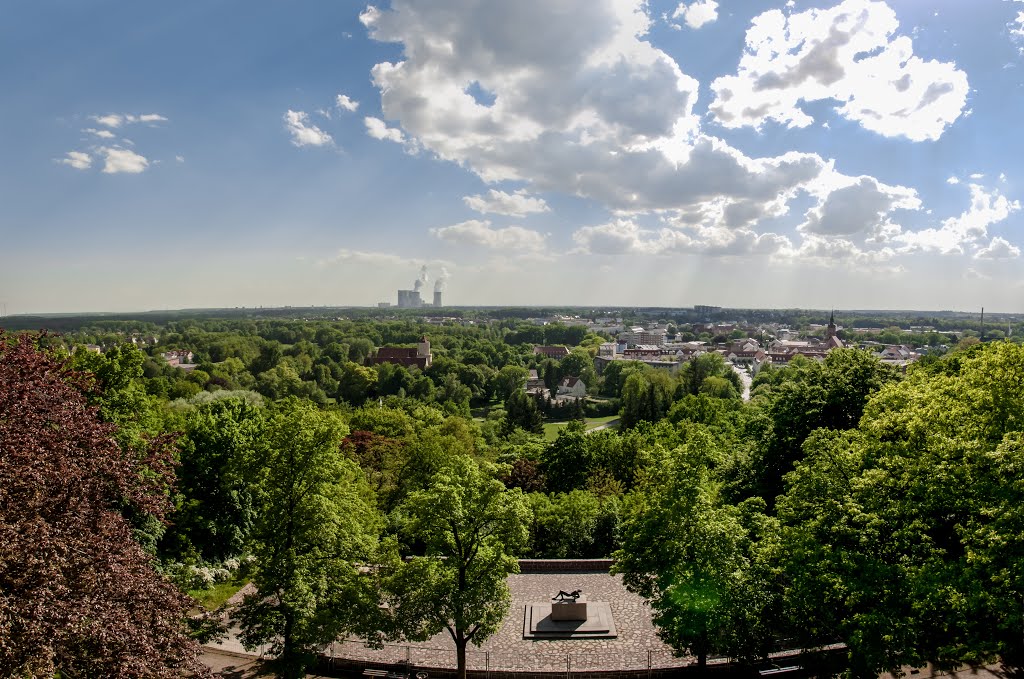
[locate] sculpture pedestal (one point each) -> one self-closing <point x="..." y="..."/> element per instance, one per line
<point x="539" y="621"/>
<point x="569" y="610"/>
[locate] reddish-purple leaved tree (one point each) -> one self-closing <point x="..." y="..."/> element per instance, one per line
<point x="77" y="592"/>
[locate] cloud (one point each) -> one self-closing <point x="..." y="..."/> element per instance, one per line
<point x="957" y="234"/>
<point x="343" y="102"/>
<point x="77" y="159"/>
<point x="119" y="160"/>
<point x="116" y="120"/>
<point x="1017" y="30"/>
<point x="698" y="13"/>
<point x="102" y="134"/>
<point x="303" y="133"/>
<point x="625" y="237"/>
<point x="998" y="248"/>
<point x="578" y="103"/>
<point x="847" y="54"/>
<point x="480" y="233"/>
<point x="974" y="274"/>
<point x="570" y="97"/>
<point x="345" y="255"/>
<point x="378" y="129"/>
<point x="518" y="204"/>
<point x="861" y="207"/>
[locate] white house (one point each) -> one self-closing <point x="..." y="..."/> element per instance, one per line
<point x="573" y="387"/>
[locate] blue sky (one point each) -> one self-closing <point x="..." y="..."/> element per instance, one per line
<point x="855" y="154"/>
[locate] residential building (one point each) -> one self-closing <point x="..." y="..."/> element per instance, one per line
<point x="639" y="335"/>
<point x="411" y="357"/>
<point x="555" y="352"/>
<point x="535" y="384"/>
<point x="572" y="387"/>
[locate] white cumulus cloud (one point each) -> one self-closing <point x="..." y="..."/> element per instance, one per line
<point x="698" y="13"/>
<point x="862" y="206"/>
<point x="626" y="237"/>
<point x="518" y="204"/>
<point x="571" y="97"/>
<point x="116" y="120"/>
<point x="303" y="132"/>
<point x="480" y="233"/>
<point x="378" y="129"/>
<point x="345" y="103"/>
<point x="998" y="248"/>
<point x="120" y="160"/>
<point x="77" y="159"/>
<point x="957" y="234"/>
<point x="102" y="134"/>
<point x="849" y="54"/>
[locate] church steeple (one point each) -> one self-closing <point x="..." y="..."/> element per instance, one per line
<point x="831" y="332"/>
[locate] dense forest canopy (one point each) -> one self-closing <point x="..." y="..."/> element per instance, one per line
<point x="845" y="501"/>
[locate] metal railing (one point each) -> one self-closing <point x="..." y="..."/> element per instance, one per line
<point x="537" y="659"/>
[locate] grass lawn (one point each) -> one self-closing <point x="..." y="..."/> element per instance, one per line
<point x="598" y="421"/>
<point x="213" y="598"/>
<point x="551" y="429"/>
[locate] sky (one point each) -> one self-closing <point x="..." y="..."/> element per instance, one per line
<point x="765" y="153"/>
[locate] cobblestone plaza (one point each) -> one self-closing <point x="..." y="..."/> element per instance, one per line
<point x="636" y="646"/>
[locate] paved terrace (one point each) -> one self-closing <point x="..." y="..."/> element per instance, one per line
<point x="636" y="645"/>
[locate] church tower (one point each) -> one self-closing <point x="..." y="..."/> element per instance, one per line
<point x="831" y="331"/>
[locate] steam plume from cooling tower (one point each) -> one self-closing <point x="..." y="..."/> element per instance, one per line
<point x="442" y="280"/>
<point x="423" y="279"/>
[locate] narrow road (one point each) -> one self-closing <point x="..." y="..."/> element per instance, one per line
<point x="610" y="423"/>
<point x="745" y="380"/>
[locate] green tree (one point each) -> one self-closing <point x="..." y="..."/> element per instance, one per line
<point x="810" y="395"/>
<point x="356" y="383"/>
<point x="521" y="412"/>
<point x="704" y="565"/>
<point x="472" y="528"/>
<point x="913" y="520"/>
<point x="646" y="396"/>
<point x="579" y="363"/>
<point x="317" y="525"/>
<point x="509" y="379"/>
<point x="215" y="510"/>
<point x="567" y="461"/>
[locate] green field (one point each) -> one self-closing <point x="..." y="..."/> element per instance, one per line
<point x="551" y="429"/>
<point x="213" y="598"/>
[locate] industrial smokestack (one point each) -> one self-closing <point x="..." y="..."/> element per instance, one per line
<point x="437" y="296"/>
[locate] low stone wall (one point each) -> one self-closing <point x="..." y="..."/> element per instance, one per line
<point x="343" y="667"/>
<point x="565" y="565"/>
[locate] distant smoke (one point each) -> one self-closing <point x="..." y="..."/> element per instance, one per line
<point x="423" y="279"/>
<point x="441" y="281"/>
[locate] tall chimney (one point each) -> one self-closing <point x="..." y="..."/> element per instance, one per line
<point x="437" y="298"/>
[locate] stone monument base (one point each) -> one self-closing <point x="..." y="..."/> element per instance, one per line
<point x="538" y="622"/>
<point x="575" y="609"/>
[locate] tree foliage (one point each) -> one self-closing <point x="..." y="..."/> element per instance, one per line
<point x="704" y="565"/>
<point x="317" y="524"/>
<point x="913" y="521"/>
<point x="472" y="528"/>
<point x="78" y="594"/>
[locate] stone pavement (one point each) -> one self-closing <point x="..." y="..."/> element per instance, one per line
<point x="507" y="650"/>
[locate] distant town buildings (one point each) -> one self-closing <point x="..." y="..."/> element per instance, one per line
<point x="555" y="352"/>
<point x="654" y="335"/>
<point x="410" y="357"/>
<point x="180" y="359"/>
